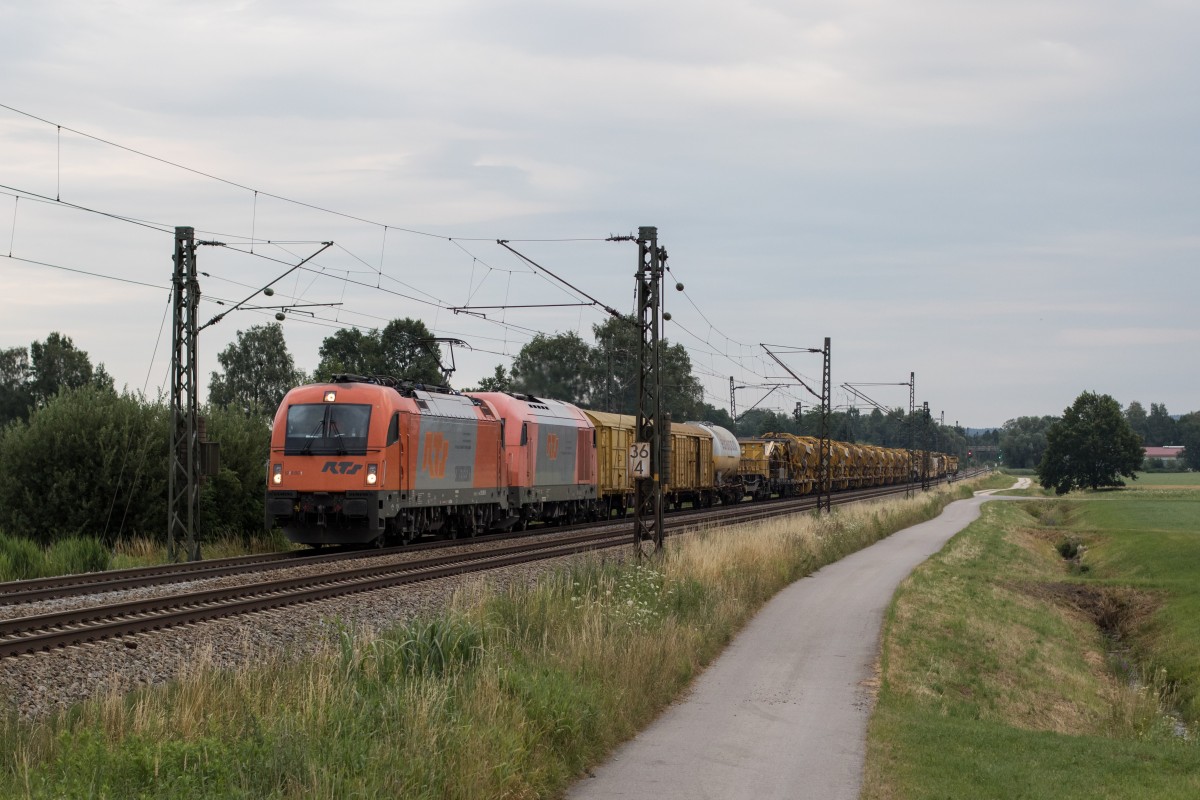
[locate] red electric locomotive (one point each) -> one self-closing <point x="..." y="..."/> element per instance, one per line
<point x="363" y="460"/>
<point x="549" y="457"/>
<point x="358" y="460"/>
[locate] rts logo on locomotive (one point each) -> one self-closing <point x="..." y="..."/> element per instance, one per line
<point x="437" y="452"/>
<point x="341" y="467"/>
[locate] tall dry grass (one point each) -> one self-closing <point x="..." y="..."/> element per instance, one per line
<point x="141" y="552"/>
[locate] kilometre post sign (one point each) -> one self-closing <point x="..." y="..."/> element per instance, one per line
<point x="639" y="459"/>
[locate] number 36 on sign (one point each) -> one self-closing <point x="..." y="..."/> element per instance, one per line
<point x="639" y="459"/>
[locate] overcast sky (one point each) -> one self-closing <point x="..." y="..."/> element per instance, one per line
<point x="1000" y="196"/>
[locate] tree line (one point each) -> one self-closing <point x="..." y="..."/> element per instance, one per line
<point x="78" y="456"/>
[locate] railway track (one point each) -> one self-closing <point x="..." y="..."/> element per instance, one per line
<point x="49" y="631"/>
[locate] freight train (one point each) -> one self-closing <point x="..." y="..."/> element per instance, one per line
<point x="367" y="460"/>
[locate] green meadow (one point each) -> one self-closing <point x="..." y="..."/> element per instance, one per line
<point x="1049" y="651"/>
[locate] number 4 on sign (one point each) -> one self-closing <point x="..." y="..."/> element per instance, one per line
<point x="639" y="459"/>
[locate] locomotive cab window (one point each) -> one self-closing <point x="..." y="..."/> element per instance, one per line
<point x="321" y="429"/>
<point x="394" y="430"/>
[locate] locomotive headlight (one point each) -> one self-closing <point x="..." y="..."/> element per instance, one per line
<point x="372" y="474"/>
<point x="277" y="477"/>
<point x="330" y="397"/>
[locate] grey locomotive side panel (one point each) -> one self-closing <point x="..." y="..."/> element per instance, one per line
<point x="446" y="453"/>
<point x="556" y="454"/>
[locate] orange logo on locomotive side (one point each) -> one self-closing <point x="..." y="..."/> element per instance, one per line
<point x="552" y="446"/>
<point x="437" y="453"/>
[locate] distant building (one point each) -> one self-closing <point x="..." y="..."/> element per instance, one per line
<point x="1165" y="453"/>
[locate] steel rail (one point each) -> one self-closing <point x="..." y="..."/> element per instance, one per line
<point x="49" y="631"/>
<point x="17" y="592"/>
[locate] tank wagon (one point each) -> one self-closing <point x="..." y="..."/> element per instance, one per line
<point x="363" y="460"/>
<point x="727" y="461"/>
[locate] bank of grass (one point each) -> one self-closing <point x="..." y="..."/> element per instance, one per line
<point x="1049" y="651"/>
<point x="507" y="694"/>
<point x="22" y="559"/>
<point x="993" y="480"/>
<point x="142" y="552"/>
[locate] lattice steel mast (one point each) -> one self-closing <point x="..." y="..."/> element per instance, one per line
<point x="912" y="431"/>
<point x="183" y="483"/>
<point x="652" y="426"/>
<point x="926" y="422"/>
<point x="824" y="456"/>
<point x="826" y="495"/>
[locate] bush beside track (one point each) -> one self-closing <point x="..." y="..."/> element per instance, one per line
<point x="506" y="695"/>
<point x="93" y="462"/>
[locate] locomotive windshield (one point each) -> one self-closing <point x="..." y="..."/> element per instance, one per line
<point x="325" y="429"/>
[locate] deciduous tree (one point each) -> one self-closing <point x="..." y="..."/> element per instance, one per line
<point x="57" y="364"/>
<point x="407" y="351"/>
<point x="89" y="462"/>
<point x="1023" y="441"/>
<point x="403" y="350"/>
<point x="348" y="351"/>
<point x="1092" y="446"/>
<point x="613" y="371"/>
<point x="1135" y="415"/>
<point x="257" y="372"/>
<point x="15" y="394"/>
<point x="555" y="367"/>
<point x="1160" y="426"/>
<point x="499" y="381"/>
<point x="1189" y="437"/>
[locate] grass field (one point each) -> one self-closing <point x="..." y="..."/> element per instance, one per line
<point x="1181" y="480"/>
<point x="1049" y="651"/>
<point x="1168" y="479"/>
